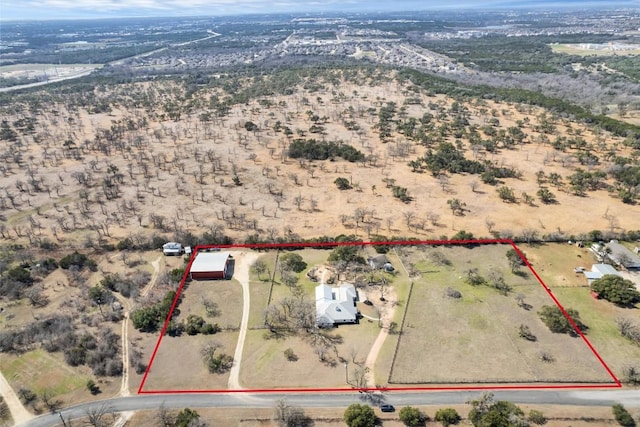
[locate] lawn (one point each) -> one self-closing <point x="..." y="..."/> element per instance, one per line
<point x="63" y="382"/>
<point x="600" y="316"/>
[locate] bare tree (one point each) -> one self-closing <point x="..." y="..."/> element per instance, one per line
<point x="100" y="416"/>
<point x="490" y="224"/>
<point x="360" y="380"/>
<point x="165" y="417"/>
<point x="408" y="218"/>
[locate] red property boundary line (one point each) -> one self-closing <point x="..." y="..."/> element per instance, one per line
<point x="616" y="382"/>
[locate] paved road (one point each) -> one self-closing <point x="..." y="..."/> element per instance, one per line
<point x="629" y="398"/>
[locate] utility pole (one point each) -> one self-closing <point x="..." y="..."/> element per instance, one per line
<point x="346" y="371"/>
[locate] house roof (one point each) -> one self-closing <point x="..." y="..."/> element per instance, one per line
<point x="378" y="260"/>
<point x="598" y="271"/>
<point x="335" y="305"/>
<point x="622" y="255"/>
<point x="209" y="261"/>
<point x="604" y="269"/>
<point x="171" y="246"/>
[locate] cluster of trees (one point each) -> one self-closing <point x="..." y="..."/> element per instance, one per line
<point x="195" y="325"/>
<point x="627" y="178"/>
<point x="290" y="316"/>
<point x="50" y="332"/>
<point x="58" y="333"/>
<point x="487" y="412"/>
<point x="292" y="262"/>
<point x="436" y="84"/>
<point x="15" y="281"/>
<point x="446" y="158"/>
<point x="79" y="261"/>
<point x="346" y="253"/>
<point x="184" y="418"/>
<point x="100" y="352"/>
<point x="311" y="149"/>
<point x="152" y="317"/>
<point x="342" y="183"/>
<point x="127" y="287"/>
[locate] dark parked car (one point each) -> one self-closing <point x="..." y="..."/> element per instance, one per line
<point x="385" y="407"/>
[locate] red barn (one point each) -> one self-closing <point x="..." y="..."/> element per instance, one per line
<point x="210" y="265"/>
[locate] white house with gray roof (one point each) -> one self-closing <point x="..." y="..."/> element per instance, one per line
<point x="336" y="305"/>
<point x="598" y="271"/>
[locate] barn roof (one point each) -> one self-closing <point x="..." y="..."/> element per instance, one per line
<point x="623" y="256"/>
<point x="209" y="261"/>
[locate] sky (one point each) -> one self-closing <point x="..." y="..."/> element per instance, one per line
<point x="74" y="9"/>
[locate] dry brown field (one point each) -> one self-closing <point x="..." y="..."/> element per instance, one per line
<point x="480" y="342"/>
<point x="133" y="171"/>
<point x="579" y="49"/>
<point x="179" y="364"/>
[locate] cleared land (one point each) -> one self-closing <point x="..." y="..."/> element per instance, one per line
<point x="587" y="49"/>
<point x="179" y="363"/>
<point x="481" y="342"/>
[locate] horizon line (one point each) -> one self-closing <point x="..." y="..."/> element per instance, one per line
<point x="552" y="6"/>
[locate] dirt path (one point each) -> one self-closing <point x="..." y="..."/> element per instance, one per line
<point x="243" y="262"/>
<point x="124" y="387"/>
<point x="126" y="306"/>
<point x="386" y="316"/>
<point x="18" y="411"/>
<point x="387" y="311"/>
<point x="154" y="277"/>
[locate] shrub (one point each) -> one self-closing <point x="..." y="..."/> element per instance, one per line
<point x="412" y="417"/>
<point x="622" y="416"/>
<point x="357" y="415"/>
<point x="447" y="416"/>
<point x="93" y="387"/>
<point x="537" y="417"/>
<point x="342" y="183"/>
<point x="290" y="355"/>
<point x="79" y="260"/>
<point x="125" y="244"/>
<point x="556" y="321"/>
<point x="292" y="262"/>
